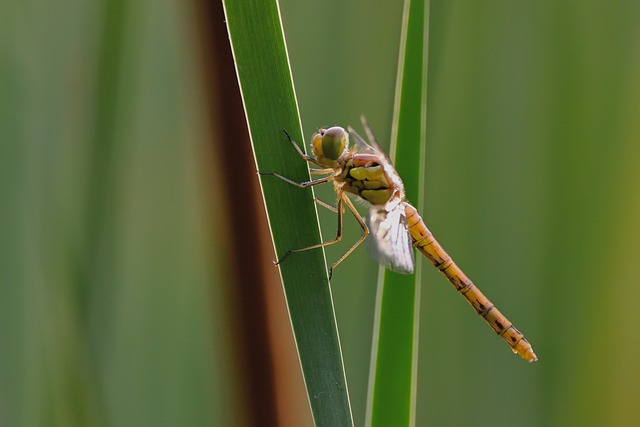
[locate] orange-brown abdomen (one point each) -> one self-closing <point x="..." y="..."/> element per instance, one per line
<point x="424" y="241"/>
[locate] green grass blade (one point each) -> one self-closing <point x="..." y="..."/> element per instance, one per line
<point x="269" y="100"/>
<point x="393" y="370"/>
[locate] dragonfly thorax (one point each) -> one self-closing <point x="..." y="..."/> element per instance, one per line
<point x="330" y="145"/>
<point x="365" y="177"/>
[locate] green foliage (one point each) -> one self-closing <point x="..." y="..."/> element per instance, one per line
<point x="392" y="390"/>
<point x="110" y="231"/>
<point x="270" y="106"/>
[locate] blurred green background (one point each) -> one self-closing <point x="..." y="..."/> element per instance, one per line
<point x="113" y="306"/>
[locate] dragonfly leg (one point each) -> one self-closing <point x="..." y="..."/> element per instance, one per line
<point x="299" y="184"/>
<point x="321" y="171"/>
<point x="299" y="150"/>
<point x="365" y="230"/>
<point x="326" y="205"/>
<point x="320" y="245"/>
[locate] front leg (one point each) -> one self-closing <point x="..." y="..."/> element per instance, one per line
<point x="300" y="184"/>
<point x="299" y="150"/>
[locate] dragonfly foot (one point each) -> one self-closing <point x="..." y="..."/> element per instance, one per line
<point x="286" y="255"/>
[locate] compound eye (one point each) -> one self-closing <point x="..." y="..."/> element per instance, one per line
<point x="334" y="142"/>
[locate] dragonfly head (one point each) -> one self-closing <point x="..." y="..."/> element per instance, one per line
<point x="329" y="145"/>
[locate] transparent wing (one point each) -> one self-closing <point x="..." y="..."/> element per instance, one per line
<point x="372" y="139"/>
<point x="372" y="145"/>
<point x="361" y="145"/>
<point x="390" y="242"/>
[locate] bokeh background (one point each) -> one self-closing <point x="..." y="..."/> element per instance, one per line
<point x="116" y="296"/>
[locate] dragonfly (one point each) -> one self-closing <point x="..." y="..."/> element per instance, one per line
<point x="364" y="170"/>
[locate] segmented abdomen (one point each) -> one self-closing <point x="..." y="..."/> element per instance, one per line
<point x="424" y="241"/>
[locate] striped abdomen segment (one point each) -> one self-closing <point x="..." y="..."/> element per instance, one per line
<point x="427" y="244"/>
